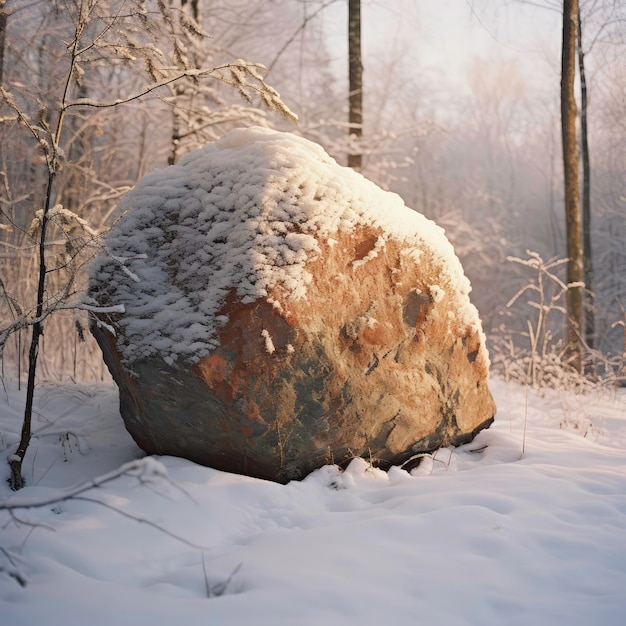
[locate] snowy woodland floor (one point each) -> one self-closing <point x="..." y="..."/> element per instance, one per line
<point x="477" y="535"/>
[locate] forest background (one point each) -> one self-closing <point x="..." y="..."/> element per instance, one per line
<point x="461" y="117"/>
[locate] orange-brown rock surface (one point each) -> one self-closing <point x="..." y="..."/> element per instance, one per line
<point x="370" y="346"/>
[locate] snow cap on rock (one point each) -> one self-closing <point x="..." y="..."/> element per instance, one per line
<point x="247" y="211"/>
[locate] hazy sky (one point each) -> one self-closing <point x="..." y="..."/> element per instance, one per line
<point x="455" y="31"/>
<point x="445" y="36"/>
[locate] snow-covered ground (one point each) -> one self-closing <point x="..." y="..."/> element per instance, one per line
<point x="476" y="535"/>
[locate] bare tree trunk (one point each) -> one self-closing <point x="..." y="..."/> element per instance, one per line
<point x="355" y="66"/>
<point x="78" y="161"/>
<point x="572" y="192"/>
<point x="16" y="480"/>
<point x="178" y="123"/>
<point x="194" y="8"/>
<point x="3" y="30"/>
<point x="176" y="126"/>
<point x="589" y="309"/>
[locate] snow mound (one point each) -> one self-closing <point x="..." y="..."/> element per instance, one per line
<point x="475" y="536"/>
<point x="248" y="212"/>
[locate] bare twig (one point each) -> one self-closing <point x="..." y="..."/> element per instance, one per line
<point x="13" y="571"/>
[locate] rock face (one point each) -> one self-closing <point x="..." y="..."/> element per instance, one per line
<point x="281" y="313"/>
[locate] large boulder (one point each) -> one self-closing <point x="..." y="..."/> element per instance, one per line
<point x="283" y="312"/>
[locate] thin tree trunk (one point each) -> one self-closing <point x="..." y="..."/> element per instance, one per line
<point x="355" y="67"/>
<point x="194" y="7"/>
<point x="78" y="161"/>
<point x="3" y="30"/>
<point x="176" y="126"/>
<point x="178" y="122"/>
<point x="16" y="480"/>
<point x="589" y="309"/>
<point x="555" y="223"/>
<point x="572" y="191"/>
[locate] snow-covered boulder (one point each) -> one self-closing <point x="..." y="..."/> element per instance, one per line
<point x="283" y="312"/>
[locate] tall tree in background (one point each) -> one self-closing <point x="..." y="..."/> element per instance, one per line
<point x="3" y="28"/>
<point x="572" y="191"/>
<point x="194" y="8"/>
<point x="589" y="310"/>
<point x="202" y="111"/>
<point x="187" y="30"/>
<point x="355" y="70"/>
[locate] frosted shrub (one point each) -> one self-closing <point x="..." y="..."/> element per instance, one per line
<point x="530" y="346"/>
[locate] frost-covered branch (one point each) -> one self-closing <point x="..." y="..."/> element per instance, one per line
<point x="146" y="471"/>
<point x="242" y="75"/>
<point x="11" y="567"/>
<point x="23" y="321"/>
<point x="41" y="132"/>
